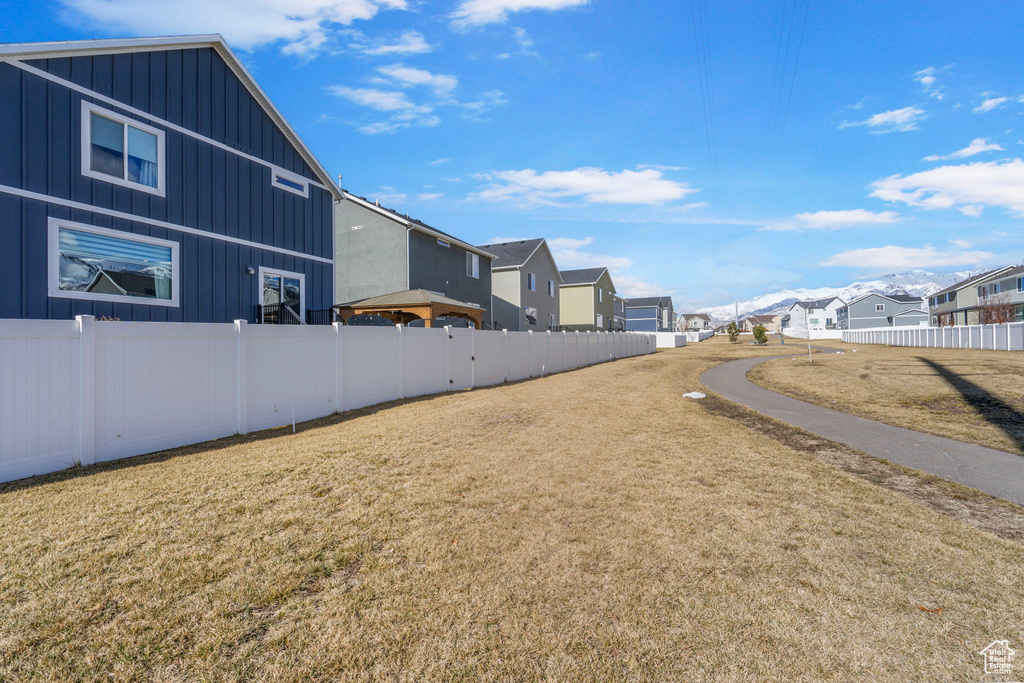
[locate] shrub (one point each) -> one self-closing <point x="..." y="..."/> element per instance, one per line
<point x="761" y="335"/>
<point x="734" y="331"/>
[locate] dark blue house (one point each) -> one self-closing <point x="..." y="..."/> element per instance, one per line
<point x="649" y="314"/>
<point x="152" y="179"/>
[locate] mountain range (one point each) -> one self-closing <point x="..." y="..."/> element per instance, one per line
<point x="916" y="283"/>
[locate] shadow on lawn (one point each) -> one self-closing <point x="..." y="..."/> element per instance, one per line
<point x="991" y="408"/>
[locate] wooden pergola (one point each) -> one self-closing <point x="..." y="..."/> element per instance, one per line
<point x="412" y="304"/>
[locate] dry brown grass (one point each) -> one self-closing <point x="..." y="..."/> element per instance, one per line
<point x="906" y="387"/>
<point x="592" y="525"/>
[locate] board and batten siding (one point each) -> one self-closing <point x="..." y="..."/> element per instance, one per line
<point x="207" y="188"/>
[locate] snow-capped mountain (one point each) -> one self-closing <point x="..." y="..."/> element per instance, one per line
<point x="916" y="283"/>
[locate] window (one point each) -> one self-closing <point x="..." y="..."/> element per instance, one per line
<point x="531" y="282"/>
<point x="600" y="320"/>
<point x="600" y="295"/>
<point x="1020" y="284"/>
<point x="551" y="287"/>
<point x="87" y="262"/>
<point x="473" y="265"/>
<point x="443" y="243"/>
<point x="552" y="321"/>
<point x="531" y="315"/>
<point x="879" y="307"/>
<point x="282" y="287"/>
<point x="289" y="182"/>
<point x="119" y="150"/>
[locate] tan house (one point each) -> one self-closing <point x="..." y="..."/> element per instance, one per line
<point x="958" y="304"/>
<point x="754" y="320"/>
<point x="587" y="300"/>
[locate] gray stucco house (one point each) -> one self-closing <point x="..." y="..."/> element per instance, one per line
<point x="525" y="285"/>
<point x="649" y="314"/>
<point x="380" y="251"/>
<point x="882" y="310"/>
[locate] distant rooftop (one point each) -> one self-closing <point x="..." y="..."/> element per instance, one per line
<point x="582" y="276"/>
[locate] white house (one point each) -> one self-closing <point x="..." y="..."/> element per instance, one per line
<point x="815" y="319"/>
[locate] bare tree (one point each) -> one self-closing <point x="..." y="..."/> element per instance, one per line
<point x="995" y="309"/>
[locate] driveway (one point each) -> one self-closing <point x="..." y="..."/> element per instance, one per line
<point x="995" y="472"/>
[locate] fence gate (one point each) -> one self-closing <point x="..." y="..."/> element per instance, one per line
<point x="460" y="358"/>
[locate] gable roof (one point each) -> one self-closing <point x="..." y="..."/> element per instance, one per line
<point x="816" y="303"/>
<point x="909" y="311"/>
<point x="648" y="301"/>
<point x="761" y="318"/>
<point x="131" y="284"/>
<point x="703" y="316"/>
<point x="411" y="223"/>
<point x="410" y="297"/>
<point x="508" y="255"/>
<point x="973" y="280"/>
<point x="898" y="298"/>
<point x="582" y="276"/>
<point x="78" y="48"/>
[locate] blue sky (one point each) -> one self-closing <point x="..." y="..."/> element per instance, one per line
<point x="866" y="138"/>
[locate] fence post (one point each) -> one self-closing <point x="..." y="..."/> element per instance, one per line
<point x="472" y="357"/>
<point x="401" y="360"/>
<point x="565" y="359"/>
<point x="548" y="365"/>
<point x="447" y="359"/>
<point x="339" y="364"/>
<point x="241" y="377"/>
<point x="530" y="366"/>
<point x="504" y="339"/>
<point x="86" y="389"/>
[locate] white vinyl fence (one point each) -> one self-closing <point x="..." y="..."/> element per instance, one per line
<point x="694" y="336"/>
<point x="81" y="391"/>
<point x="1005" y="337"/>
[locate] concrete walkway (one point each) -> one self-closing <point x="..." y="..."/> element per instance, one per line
<point x="995" y="472"/>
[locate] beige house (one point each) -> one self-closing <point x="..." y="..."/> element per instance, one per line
<point x="587" y="300"/>
<point x="753" y="321"/>
<point x="958" y="304"/>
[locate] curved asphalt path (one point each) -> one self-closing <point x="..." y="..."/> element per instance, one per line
<point x="995" y="472"/>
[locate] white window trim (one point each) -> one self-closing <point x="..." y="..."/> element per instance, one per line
<point x="444" y="243"/>
<point x="600" y="295"/>
<point x="276" y="171"/>
<point x="88" y="108"/>
<point x="53" y="271"/>
<point x="473" y="264"/>
<point x="879" y="307"/>
<point x="284" y="273"/>
<point x="531" y="282"/>
<point x="551" y="288"/>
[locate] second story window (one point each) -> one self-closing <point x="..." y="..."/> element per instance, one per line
<point x="1020" y="284"/>
<point x="879" y="307"/>
<point x="289" y="182"/>
<point x="551" y="287"/>
<point x="531" y="282"/>
<point x="472" y="265"/>
<point x="120" y="150"/>
<point x="600" y="295"/>
<point x="443" y="243"/>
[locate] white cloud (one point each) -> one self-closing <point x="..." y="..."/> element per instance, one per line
<point x="438" y="162"/>
<point x="660" y="167"/>
<point x="962" y="244"/>
<point x="570" y="242"/>
<point x="429" y="196"/>
<point x="480" y="12"/>
<point x="966" y="187"/>
<point x="977" y="146"/>
<point x="592" y="185"/>
<point x="389" y="196"/>
<point x="928" y="78"/>
<point x="629" y="286"/>
<point x="524" y="40"/>
<point x="893" y="121"/>
<point x="409" y="43"/>
<point x="302" y="27"/>
<point x="990" y="103"/>
<point x="834" y="220"/>
<point x="907" y="258"/>
<point x="441" y="84"/>
<point x="381" y="100"/>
